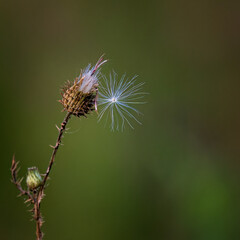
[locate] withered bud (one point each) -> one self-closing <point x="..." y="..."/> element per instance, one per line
<point x="34" y="178"/>
<point x="80" y="97"/>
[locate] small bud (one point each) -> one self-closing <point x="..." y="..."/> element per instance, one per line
<point x="80" y="97"/>
<point x="34" y="178"/>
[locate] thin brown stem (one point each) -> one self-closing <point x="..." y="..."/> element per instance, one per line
<point x="39" y="195"/>
<point x="55" y="148"/>
<point x="37" y="217"/>
<point x="35" y="196"/>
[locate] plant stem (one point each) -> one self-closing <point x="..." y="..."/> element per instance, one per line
<point x="39" y="195"/>
<point x="55" y="148"/>
<point x="37" y="217"/>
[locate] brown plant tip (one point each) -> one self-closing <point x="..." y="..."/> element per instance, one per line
<point x="17" y="182"/>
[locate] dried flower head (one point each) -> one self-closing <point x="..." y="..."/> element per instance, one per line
<point x="79" y="97"/>
<point x="118" y="99"/>
<point x="34" y="178"/>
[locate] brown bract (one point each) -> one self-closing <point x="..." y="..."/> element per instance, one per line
<point x="77" y="102"/>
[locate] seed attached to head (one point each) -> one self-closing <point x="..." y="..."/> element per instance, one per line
<point x="79" y="97"/>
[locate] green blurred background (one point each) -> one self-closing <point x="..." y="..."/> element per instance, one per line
<point x="175" y="177"/>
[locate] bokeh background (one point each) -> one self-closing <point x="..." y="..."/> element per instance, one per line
<point x="174" y="177"/>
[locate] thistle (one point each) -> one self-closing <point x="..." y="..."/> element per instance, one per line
<point x="80" y="98"/>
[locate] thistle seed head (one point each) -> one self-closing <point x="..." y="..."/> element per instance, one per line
<point x="79" y="97"/>
<point x="34" y="178"/>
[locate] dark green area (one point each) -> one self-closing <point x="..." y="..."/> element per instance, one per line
<point x="174" y="177"/>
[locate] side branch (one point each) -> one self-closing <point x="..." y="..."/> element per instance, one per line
<point x="17" y="181"/>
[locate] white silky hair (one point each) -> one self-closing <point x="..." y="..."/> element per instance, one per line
<point x="90" y="76"/>
<point x="117" y="98"/>
<point x="88" y="79"/>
